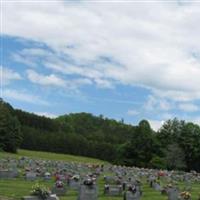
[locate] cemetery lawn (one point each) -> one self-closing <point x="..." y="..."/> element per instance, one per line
<point x="15" y="189"/>
<point x="51" y="156"/>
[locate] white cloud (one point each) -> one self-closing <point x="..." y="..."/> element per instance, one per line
<point x="154" y="42"/>
<point x="132" y="112"/>
<point x="9" y="75"/>
<point x="56" y="81"/>
<point x="24" y="97"/>
<point x="156" y="124"/>
<point x="46" y="80"/>
<point x="46" y="114"/>
<point x="188" y="107"/>
<point x="155" y="103"/>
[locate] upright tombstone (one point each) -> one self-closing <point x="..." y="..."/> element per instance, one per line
<point x="133" y="193"/>
<point x="31" y="176"/>
<point x="88" y="191"/>
<point x="157" y="186"/>
<point x="47" y="176"/>
<point x="8" y="174"/>
<point x="51" y="197"/>
<point x="188" y="185"/>
<point x="59" y="188"/>
<point x="74" y="182"/>
<point x="113" y="190"/>
<point x="173" y="193"/>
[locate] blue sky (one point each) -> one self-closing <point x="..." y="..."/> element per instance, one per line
<point x="132" y="60"/>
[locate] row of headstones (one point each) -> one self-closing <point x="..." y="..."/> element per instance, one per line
<point x="172" y="192"/>
<point x="41" y="167"/>
<point x="90" y="192"/>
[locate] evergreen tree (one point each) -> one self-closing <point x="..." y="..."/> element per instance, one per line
<point x="10" y="134"/>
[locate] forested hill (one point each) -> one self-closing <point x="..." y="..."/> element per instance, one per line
<point x="175" y="146"/>
<point x="79" y="134"/>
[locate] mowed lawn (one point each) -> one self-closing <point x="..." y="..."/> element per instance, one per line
<point x="51" y="156"/>
<point x="16" y="188"/>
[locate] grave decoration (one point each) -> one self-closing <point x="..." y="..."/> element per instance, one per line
<point x="40" y="192"/>
<point x="185" y="195"/>
<point x="59" y="188"/>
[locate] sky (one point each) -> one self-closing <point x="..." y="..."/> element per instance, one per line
<point x="129" y="60"/>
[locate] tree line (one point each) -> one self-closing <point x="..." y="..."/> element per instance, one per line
<point x="176" y="145"/>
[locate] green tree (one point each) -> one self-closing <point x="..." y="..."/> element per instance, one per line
<point x="175" y="158"/>
<point x="140" y="149"/>
<point x="10" y="134"/>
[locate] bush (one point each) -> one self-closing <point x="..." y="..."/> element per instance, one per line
<point x="40" y="191"/>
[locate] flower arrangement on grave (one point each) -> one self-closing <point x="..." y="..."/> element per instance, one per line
<point x="59" y="184"/>
<point x="132" y="189"/>
<point x="185" y="195"/>
<point x="89" y="182"/>
<point x="40" y="191"/>
<point x="76" y="177"/>
<point x="169" y="185"/>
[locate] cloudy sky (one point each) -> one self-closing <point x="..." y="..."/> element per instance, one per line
<point x="123" y="59"/>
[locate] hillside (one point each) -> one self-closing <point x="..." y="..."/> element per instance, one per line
<point x="51" y="156"/>
<point x="175" y="146"/>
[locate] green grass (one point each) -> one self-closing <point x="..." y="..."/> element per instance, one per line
<point x="14" y="189"/>
<point x="52" y="156"/>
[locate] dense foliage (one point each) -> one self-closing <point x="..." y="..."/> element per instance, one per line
<point x="175" y="146"/>
<point x="10" y="134"/>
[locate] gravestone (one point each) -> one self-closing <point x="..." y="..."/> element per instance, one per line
<point x="157" y="186"/>
<point x="51" y="197"/>
<point x="47" y="176"/>
<point x="87" y="192"/>
<point x="132" y="196"/>
<point x="8" y="174"/>
<point x="31" y="176"/>
<point x="173" y="193"/>
<point x="74" y="183"/>
<point x="113" y="190"/>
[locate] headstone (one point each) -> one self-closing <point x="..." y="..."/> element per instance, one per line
<point x="47" y="176"/>
<point x="8" y="174"/>
<point x="113" y="190"/>
<point x="74" y="183"/>
<point x="87" y="192"/>
<point x="51" y="197"/>
<point x="132" y="196"/>
<point x="133" y="193"/>
<point x="31" y="176"/>
<point x="173" y="193"/>
<point x="157" y="186"/>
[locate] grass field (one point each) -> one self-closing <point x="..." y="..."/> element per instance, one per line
<point x="16" y="188"/>
<point x="51" y="156"/>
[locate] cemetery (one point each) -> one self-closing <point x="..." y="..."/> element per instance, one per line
<point x="100" y="100"/>
<point x="31" y="178"/>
